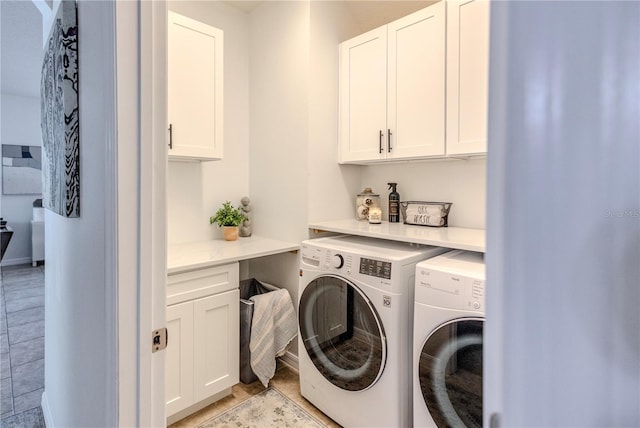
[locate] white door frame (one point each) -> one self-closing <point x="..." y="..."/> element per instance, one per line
<point x="140" y="168"/>
<point x="153" y="221"/>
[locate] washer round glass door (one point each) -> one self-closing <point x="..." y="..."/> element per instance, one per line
<point x="342" y="333"/>
<point x="450" y="373"/>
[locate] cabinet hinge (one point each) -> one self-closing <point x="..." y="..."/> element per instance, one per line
<point x="159" y="339"/>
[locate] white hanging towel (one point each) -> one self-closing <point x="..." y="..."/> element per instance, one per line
<point x="273" y="327"/>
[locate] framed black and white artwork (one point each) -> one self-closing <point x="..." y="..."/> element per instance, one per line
<point x="21" y="170"/>
<point x="60" y="115"/>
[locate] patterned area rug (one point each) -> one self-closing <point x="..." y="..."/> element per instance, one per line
<point x="268" y="409"/>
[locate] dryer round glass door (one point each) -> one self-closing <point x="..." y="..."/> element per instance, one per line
<point x="342" y="333"/>
<point x="450" y="373"/>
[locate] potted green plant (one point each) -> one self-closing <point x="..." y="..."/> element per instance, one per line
<point x="229" y="218"/>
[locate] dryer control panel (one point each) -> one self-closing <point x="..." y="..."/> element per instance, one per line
<point x="454" y="280"/>
<point x="449" y="290"/>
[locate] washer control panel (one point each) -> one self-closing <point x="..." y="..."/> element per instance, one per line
<point x="337" y="261"/>
<point x="345" y="263"/>
<point x="377" y="268"/>
<point x="332" y="260"/>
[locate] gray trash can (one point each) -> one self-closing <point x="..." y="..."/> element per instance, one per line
<point x="248" y="288"/>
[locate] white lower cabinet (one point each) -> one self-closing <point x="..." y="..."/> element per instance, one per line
<point x="179" y="361"/>
<point x="216" y="332"/>
<point x="203" y="349"/>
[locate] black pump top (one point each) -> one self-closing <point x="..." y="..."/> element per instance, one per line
<point x="392" y="186"/>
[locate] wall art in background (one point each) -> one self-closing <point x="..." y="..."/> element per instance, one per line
<point x="60" y="115"/>
<point x="21" y="170"/>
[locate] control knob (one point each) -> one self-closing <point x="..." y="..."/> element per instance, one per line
<point x="337" y="261"/>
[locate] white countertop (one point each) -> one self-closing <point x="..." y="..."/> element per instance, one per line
<point x="450" y="237"/>
<point x="196" y="255"/>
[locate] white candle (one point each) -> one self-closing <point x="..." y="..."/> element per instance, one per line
<point x="375" y="215"/>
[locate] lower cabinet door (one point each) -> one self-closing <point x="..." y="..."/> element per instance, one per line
<point x="216" y="343"/>
<point x="179" y="359"/>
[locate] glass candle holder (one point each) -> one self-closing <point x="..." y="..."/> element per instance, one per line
<point x="364" y="201"/>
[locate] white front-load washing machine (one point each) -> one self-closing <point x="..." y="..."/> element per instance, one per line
<point x="354" y="316"/>
<point x="447" y="340"/>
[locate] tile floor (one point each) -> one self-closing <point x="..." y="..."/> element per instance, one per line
<point x="286" y="381"/>
<point x="21" y="341"/>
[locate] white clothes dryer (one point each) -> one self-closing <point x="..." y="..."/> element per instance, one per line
<point x="447" y="341"/>
<point x="354" y="314"/>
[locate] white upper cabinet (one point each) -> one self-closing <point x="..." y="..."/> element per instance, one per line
<point x="416" y="82"/>
<point x="392" y="90"/>
<point x="195" y="89"/>
<point x="467" y="76"/>
<point x="363" y="96"/>
<point x="417" y="87"/>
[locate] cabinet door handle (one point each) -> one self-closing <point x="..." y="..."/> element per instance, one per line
<point x="389" y="140"/>
<point x="170" y="136"/>
<point x="381" y="135"/>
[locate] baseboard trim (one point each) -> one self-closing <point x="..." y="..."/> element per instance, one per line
<point x="46" y="411"/>
<point x="13" y="262"/>
<point x="290" y="360"/>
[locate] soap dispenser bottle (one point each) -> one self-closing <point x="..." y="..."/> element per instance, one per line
<point x="394" y="204"/>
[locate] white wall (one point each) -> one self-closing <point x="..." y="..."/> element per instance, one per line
<point x="76" y="352"/>
<point x="266" y="134"/>
<point x="279" y="79"/>
<point x="20" y="126"/>
<point x="279" y="34"/>
<point x="290" y="50"/>
<point x="562" y="331"/>
<point x="295" y="177"/>
<point x="332" y="187"/>
<point x="293" y="71"/>
<point x="196" y="190"/>
<point x="462" y="182"/>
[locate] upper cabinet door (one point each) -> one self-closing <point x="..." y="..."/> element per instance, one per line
<point x="363" y="103"/>
<point x="467" y="76"/>
<point x="416" y="84"/>
<point x="195" y="92"/>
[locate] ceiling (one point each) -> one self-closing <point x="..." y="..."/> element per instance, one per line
<point x="21" y="48"/>
<point x="372" y="14"/>
<point x="369" y="14"/>
<point x="21" y="35"/>
<point x="244" y="5"/>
